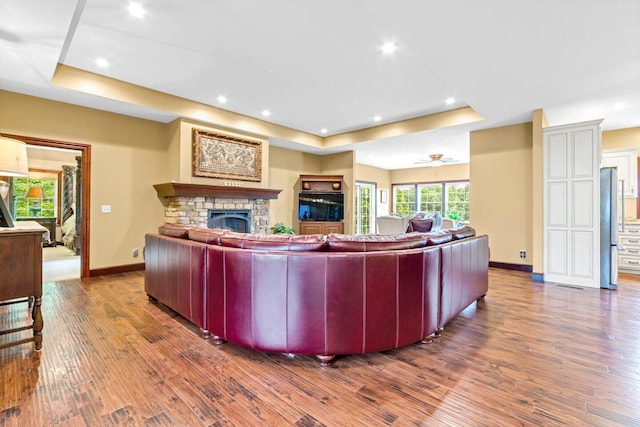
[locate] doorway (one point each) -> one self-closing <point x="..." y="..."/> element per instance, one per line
<point x="83" y="191"/>
<point x="365" y="208"/>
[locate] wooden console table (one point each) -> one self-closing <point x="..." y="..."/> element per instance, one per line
<point x="21" y="275"/>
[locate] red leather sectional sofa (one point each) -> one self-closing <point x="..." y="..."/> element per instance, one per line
<point x="316" y="295"/>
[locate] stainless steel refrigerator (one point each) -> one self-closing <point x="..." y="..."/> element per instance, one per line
<point x="609" y="224"/>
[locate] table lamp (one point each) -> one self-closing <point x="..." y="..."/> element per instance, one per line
<point x="35" y="193"/>
<point x="13" y="162"/>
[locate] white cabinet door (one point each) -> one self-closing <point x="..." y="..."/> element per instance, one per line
<point x="572" y="204"/>
<point x="626" y="160"/>
<point x="629" y="257"/>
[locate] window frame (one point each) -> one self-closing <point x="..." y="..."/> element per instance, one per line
<point x="416" y="194"/>
<point x="373" y="206"/>
<point x="57" y="198"/>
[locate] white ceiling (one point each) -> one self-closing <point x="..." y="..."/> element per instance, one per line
<point x="318" y="64"/>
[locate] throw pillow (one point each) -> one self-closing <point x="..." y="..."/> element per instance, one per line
<point x="420" y="225"/>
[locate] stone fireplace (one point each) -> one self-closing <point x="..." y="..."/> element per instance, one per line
<point x="202" y="205"/>
<point x="238" y="220"/>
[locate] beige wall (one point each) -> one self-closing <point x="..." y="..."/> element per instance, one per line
<point x="382" y="179"/>
<point x="621" y="138"/>
<point x="510" y="159"/>
<point x="284" y="174"/>
<point x="287" y="166"/>
<point x="128" y="156"/>
<point x="537" y="215"/>
<point x="186" y="155"/>
<point x="457" y="172"/>
<point x="501" y="190"/>
<point x="343" y="164"/>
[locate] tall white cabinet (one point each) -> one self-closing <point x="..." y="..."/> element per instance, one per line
<point x="571" y="176"/>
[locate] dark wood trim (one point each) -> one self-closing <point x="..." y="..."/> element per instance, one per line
<point x="85" y="149"/>
<point x="321" y="177"/>
<point x="116" y="269"/>
<point x="508" y="266"/>
<point x="175" y="189"/>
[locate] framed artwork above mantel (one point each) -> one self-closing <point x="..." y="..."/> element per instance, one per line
<point x="226" y="157"/>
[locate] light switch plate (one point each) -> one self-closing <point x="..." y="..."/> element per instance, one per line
<point x="106" y="208"/>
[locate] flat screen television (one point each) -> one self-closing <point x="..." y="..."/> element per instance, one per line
<point x="321" y="207"/>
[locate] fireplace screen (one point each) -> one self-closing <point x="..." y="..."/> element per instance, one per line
<point x="238" y="220"/>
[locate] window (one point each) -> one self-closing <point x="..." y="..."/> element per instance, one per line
<point x="457" y="202"/>
<point x="430" y="198"/>
<point x="449" y="198"/>
<point x="404" y="199"/>
<point x="365" y="208"/>
<point x="23" y="207"/>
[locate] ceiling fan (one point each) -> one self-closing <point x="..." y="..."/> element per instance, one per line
<point x="436" y="160"/>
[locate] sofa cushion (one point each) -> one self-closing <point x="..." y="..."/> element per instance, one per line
<point x="374" y="242"/>
<point x="438" y="237"/>
<point x="207" y="235"/>
<point x="463" y="232"/>
<point x="420" y="225"/>
<point x="276" y="242"/>
<point x="174" y="230"/>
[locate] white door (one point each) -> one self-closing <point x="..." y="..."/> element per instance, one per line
<point x="572" y="204"/>
<point x="365" y="212"/>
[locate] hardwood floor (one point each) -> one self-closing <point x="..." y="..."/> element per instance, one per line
<point x="530" y="354"/>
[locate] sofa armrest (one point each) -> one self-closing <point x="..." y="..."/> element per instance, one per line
<point x="175" y="275"/>
<point x="465" y="272"/>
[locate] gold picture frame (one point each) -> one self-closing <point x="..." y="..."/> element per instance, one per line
<point x="227" y="157"/>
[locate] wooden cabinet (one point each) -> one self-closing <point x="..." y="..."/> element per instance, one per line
<point x="321" y="227"/>
<point x="629" y="258"/>
<point x="21" y="275"/>
<point x="49" y="224"/>
<point x="321" y="183"/>
<point x="626" y="160"/>
<point x="321" y="204"/>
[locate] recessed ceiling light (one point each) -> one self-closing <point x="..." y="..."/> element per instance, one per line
<point x="377" y="118"/>
<point x="450" y="100"/>
<point x="101" y="62"/>
<point x="266" y="113"/>
<point x="323" y="131"/>
<point x="388" y="48"/>
<point x="135" y="9"/>
<point x="222" y="99"/>
<point x="619" y="106"/>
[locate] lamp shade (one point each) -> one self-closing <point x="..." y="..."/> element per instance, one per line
<point x="35" y="193"/>
<point x="13" y="157"/>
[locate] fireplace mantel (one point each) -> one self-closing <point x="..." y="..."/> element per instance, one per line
<point x="176" y="189"/>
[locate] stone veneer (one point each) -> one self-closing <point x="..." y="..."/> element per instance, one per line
<point x="193" y="210"/>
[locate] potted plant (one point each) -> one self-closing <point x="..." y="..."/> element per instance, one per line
<point x="280" y="228"/>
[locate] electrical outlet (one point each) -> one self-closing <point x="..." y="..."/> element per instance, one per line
<point x="134" y="252"/>
<point x="523" y="254"/>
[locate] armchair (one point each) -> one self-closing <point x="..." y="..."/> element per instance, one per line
<point x="389" y="224"/>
